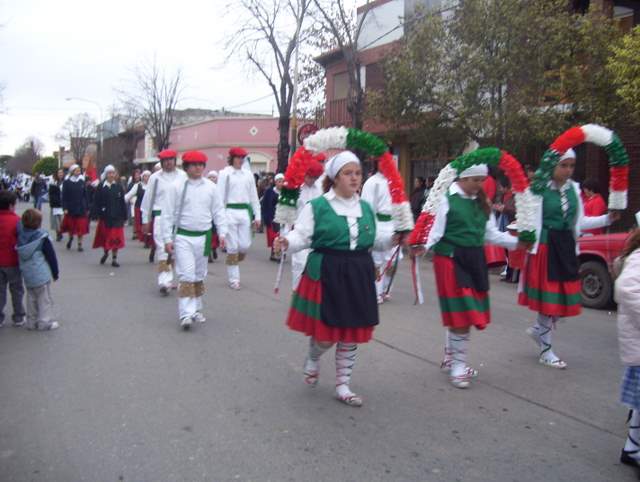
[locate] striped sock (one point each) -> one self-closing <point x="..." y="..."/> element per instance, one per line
<point x="345" y="360"/>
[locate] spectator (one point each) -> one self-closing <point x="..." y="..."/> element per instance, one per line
<point x="9" y="268"/>
<point x="594" y="204"/>
<point x="268" y="205"/>
<point x="38" y="265"/>
<point x="417" y="196"/>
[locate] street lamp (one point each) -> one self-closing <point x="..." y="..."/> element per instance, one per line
<point x="82" y="99"/>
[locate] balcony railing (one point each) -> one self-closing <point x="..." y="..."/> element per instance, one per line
<point x="337" y="113"/>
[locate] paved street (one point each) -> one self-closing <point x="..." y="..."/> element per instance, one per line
<point x="119" y="393"/>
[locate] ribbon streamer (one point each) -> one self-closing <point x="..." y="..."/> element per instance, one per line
<point x="283" y="256"/>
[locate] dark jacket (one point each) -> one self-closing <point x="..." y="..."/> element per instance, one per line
<point x="55" y="195"/>
<point x="268" y="204"/>
<point x="74" y="197"/>
<point x="38" y="187"/>
<point x="109" y="205"/>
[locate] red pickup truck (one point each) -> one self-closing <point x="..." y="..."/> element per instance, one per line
<point x="597" y="253"/>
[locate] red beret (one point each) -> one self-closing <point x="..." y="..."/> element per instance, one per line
<point x="167" y="154"/>
<point x="315" y="169"/>
<point x="194" y="157"/>
<point x="237" y="152"/>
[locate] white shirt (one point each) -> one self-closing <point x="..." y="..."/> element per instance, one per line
<point x="238" y="186"/>
<point x="491" y="233"/>
<point x="202" y="206"/>
<point x="161" y="182"/>
<point x="376" y="192"/>
<point x="301" y="236"/>
<point x="131" y="196"/>
<point x="307" y="193"/>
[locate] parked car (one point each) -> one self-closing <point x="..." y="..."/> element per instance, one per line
<point x="597" y="253"/>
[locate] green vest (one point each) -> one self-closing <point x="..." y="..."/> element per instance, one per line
<point x="552" y="217"/>
<point x="466" y="224"/>
<point x="332" y="231"/>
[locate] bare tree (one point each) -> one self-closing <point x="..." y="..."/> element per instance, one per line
<point x="78" y="132"/>
<point x="154" y="97"/>
<point x="340" y="21"/>
<point x="269" y="34"/>
<point x="26" y="155"/>
<point x="131" y="129"/>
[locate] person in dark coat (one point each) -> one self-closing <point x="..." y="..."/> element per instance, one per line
<point x="38" y="190"/>
<point x="268" y="206"/>
<point x="55" y="203"/>
<point x="110" y="208"/>
<point x="75" y="206"/>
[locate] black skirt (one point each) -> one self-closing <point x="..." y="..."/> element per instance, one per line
<point x="471" y="268"/>
<point x="348" y="289"/>
<point x="562" y="262"/>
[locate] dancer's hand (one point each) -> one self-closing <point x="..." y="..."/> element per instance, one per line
<point x="417" y="251"/>
<point x="280" y="243"/>
<point x="223" y="243"/>
<point x="257" y="224"/>
<point x="524" y="245"/>
<point x="168" y="247"/>
<point x="614" y="216"/>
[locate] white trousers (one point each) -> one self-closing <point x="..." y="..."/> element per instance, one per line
<point x="165" y="278"/>
<point x="191" y="266"/>
<point x="238" y="239"/>
<point x="298" y="262"/>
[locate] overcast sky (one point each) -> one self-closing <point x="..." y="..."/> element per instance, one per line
<point x="51" y="50"/>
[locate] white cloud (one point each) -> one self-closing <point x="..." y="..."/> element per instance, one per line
<point x="73" y="48"/>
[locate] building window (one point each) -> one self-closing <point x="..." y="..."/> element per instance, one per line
<point x="340" y="86"/>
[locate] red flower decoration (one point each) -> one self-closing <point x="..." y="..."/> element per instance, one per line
<point x="387" y="167"/>
<point x="570" y="138"/>
<point x="297" y="168"/>
<point x="513" y="169"/>
<point x="619" y="180"/>
<point x="420" y="232"/>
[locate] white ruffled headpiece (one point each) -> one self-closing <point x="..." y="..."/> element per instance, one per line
<point x="477" y="170"/>
<point x="569" y="154"/>
<point x="337" y="162"/>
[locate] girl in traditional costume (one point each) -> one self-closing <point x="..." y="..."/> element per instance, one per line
<point x="550" y="282"/>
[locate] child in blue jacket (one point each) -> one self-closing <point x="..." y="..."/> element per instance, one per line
<point x="39" y="266"/>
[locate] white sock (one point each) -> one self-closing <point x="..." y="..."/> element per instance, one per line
<point x="447" y="346"/>
<point x="311" y="364"/>
<point x="632" y="445"/>
<point x="545" y="327"/>
<point x="458" y="346"/>
<point x="345" y="360"/>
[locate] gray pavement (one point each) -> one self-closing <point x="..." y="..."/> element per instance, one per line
<point x="119" y="393"/>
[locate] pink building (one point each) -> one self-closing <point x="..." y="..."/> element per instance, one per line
<point x="214" y="137"/>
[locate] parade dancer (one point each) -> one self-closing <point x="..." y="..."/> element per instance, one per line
<point x="111" y="210"/>
<point x="190" y="210"/>
<point x="308" y="192"/>
<point x="55" y="203"/>
<point x="159" y="184"/>
<point x="550" y="283"/>
<point x="457" y="222"/>
<point x="240" y="197"/>
<point x="268" y="205"/>
<point x="339" y="277"/>
<point x="75" y="204"/>
<point x="135" y="196"/>
<point x="376" y="192"/>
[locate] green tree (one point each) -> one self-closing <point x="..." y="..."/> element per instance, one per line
<point x="46" y="165"/>
<point x="504" y="72"/>
<point x="624" y="65"/>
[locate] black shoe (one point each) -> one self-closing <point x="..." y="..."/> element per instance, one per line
<point x="58" y="237"/>
<point x="210" y="259"/>
<point x="215" y="254"/>
<point x="152" y="254"/>
<point x="115" y="263"/>
<point x="103" y="260"/>
<point x="80" y="248"/>
<point x="626" y="459"/>
<point x="69" y="243"/>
